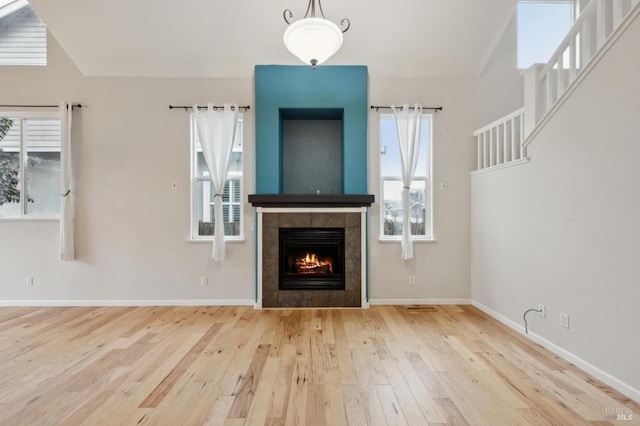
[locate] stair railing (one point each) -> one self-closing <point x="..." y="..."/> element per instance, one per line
<point x="545" y="84"/>
<point x="503" y="142"/>
<point x="500" y="142"/>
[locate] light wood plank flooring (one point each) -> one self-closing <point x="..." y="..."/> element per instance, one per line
<point x="236" y="365"/>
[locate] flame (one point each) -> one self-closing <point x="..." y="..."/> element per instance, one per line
<point x="311" y="264"/>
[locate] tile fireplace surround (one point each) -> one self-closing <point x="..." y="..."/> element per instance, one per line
<point x="326" y="212"/>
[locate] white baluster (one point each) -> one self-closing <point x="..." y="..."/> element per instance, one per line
<point x="618" y="10"/>
<point x="491" y="147"/>
<point x="504" y="143"/>
<point x="585" y="44"/>
<point x="560" y="77"/>
<point x="601" y="23"/>
<point x="523" y="152"/>
<point x="549" y="91"/>
<point x="498" y="146"/>
<point x="479" y="152"/>
<point x="572" y="60"/>
<point x="484" y="149"/>
<point x="513" y="137"/>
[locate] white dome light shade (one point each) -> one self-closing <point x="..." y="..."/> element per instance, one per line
<point x="313" y="40"/>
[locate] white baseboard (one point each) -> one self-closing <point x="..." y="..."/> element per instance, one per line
<point x="137" y="302"/>
<point x="605" y="377"/>
<point x="209" y="302"/>
<point x="420" y="301"/>
<point x="601" y="375"/>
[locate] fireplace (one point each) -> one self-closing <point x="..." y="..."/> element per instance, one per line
<point x="311" y="259"/>
<point x="311" y="174"/>
<point x="345" y="227"/>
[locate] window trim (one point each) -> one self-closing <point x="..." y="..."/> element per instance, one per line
<point x="7" y="7"/>
<point x="575" y="10"/>
<point x="33" y="52"/>
<point x="429" y="237"/>
<point x="194" y="180"/>
<point x="22" y="116"/>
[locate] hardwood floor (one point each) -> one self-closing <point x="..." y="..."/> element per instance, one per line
<point x="235" y="365"/>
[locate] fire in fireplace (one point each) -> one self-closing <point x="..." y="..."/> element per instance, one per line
<point x="310" y="264"/>
<point x="311" y="259"/>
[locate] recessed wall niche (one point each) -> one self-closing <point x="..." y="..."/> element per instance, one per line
<point x="312" y="144"/>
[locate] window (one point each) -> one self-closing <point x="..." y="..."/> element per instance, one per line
<point x="391" y="183"/>
<point x="23" y="35"/>
<point x="202" y="215"/>
<point x="30" y="165"/>
<point x="542" y="25"/>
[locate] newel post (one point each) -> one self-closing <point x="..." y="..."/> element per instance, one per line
<point x="532" y="98"/>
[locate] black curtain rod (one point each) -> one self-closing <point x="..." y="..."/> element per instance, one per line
<point x="378" y="107"/>
<point x="215" y="107"/>
<point x="39" y="106"/>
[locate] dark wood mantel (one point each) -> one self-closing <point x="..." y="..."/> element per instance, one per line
<point x="311" y="200"/>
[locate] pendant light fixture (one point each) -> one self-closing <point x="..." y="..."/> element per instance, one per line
<point x="313" y="39"/>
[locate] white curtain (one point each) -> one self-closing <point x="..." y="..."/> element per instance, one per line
<point x="217" y="130"/>
<point x="408" y="125"/>
<point x="67" y="211"/>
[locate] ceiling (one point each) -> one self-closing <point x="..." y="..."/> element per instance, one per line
<point x="215" y="38"/>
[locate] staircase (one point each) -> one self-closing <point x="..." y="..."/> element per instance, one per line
<point x="503" y="143"/>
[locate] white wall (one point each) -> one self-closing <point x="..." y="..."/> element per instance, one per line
<point x="500" y="85"/>
<point x="563" y="230"/>
<point x="442" y="268"/>
<point x="132" y="229"/>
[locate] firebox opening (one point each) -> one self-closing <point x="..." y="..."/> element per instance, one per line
<point x="311" y="259"/>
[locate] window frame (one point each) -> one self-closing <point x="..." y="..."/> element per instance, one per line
<point x="23" y="151"/>
<point x="37" y="36"/>
<point x="429" y="235"/>
<point x="237" y="176"/>
<point x="575" y="10"/>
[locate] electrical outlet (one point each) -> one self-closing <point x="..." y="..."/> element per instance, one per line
<point x="29" y="281"/>
<point x="564" y="320"/>
<point x="412" y="280"/>
<point x="204" y="281"/>
<point x="542" y="310"/>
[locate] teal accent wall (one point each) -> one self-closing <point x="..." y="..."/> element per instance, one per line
<point x="291" y="87"/>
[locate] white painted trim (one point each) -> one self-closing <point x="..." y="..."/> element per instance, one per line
<point x="363" y="259"/>
<point x="258" y="301"/>
<point x="500" y="166"/>
<point x="587" y="70"/>
<point x="460" y="301"/>
<point x="596" y="372"/>
<point x="11" y="7"/>
<point x="38" y="219"/>
<point x="499" y="122"/>
<point x="506" y="321"/>
<point x="120" y="302"/>
<point x="387" y="240"/>
<point x="210" y="241"/>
